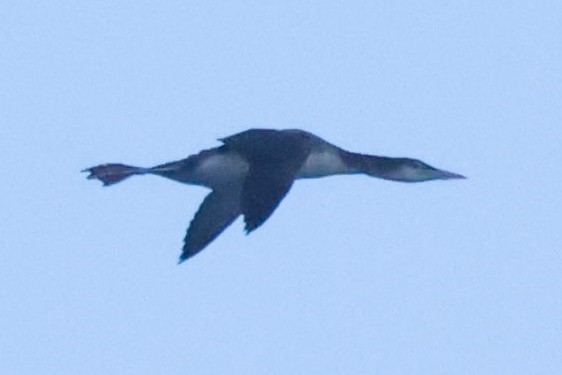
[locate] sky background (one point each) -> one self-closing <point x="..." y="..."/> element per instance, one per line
<point x="351" y="275"/>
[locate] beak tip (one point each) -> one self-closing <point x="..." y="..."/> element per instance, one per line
<point x="451" y="175"/>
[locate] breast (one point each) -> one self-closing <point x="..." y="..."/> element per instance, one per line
<point x="323" y="162"/>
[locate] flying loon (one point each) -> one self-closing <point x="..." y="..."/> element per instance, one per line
<point x="252" y="171"/>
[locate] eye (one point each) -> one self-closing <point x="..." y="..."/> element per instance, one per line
<point x="422" y="165"/>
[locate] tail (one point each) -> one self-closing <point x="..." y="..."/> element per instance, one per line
<point x="111" y="174"/>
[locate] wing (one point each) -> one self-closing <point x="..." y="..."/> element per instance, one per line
<point x="265" y="186"/>
<point x="275" y="157"/>
<point x="219" y="209"/>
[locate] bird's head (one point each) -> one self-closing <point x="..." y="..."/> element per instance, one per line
<point x="413" y="170"/>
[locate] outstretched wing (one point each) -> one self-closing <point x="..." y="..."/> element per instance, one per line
<point x="219" y="209"/>
<point x="274" y="157"/>
<point x="265" y="186"/>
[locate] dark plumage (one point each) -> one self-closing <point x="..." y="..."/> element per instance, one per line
<point x="253" y="171"/>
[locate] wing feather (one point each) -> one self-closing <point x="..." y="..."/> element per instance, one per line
<point x="274" y="157"/>
<point x="218" y="210"/>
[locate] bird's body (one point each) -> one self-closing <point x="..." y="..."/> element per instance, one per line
<point x="253" y="171"/>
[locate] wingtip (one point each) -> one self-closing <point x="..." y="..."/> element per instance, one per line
<point x="249" y="227"/>
<point x="182" y="258"/>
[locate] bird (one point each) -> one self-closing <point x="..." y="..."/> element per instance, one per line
<point x="252" y="171"/>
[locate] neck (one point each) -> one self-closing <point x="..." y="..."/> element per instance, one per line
<point x="372" y="165"/>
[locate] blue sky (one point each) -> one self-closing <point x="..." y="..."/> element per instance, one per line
<point x="351" y="274"/>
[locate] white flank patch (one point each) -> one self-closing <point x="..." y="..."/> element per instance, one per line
<point x="323" y="163"/>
